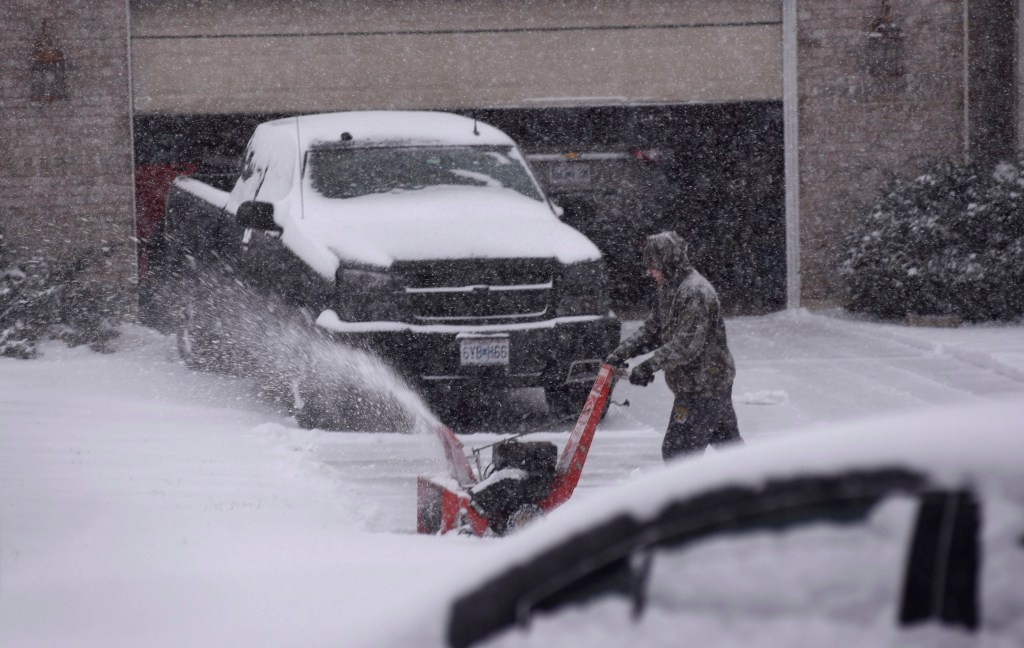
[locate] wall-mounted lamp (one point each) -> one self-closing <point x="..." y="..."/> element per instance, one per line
<point x="883" y="56"/>
<point x="49" y="81"/>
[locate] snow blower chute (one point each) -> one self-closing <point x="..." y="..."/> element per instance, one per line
<point x="526" y="479"/>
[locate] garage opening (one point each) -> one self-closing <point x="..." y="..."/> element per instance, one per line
<point x="713" y="172"/>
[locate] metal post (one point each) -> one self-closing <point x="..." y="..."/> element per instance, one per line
<point x="791" y="133"/>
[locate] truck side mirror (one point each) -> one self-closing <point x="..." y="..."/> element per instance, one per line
<point x="559" y="211"/>
<point x="257" y="215"/>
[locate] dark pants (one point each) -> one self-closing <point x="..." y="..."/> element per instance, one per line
<point x="696" y="421"/>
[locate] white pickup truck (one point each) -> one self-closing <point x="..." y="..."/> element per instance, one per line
<point x="421" y="235"/>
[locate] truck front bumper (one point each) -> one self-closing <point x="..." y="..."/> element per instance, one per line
<point x="547" y="353"/>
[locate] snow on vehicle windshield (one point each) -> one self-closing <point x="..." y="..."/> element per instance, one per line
<point x="337" y="172"/>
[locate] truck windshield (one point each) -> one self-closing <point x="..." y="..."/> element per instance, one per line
<point x="348" y="173"/>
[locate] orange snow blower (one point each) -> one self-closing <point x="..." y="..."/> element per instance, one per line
<point x="524" y="480"/>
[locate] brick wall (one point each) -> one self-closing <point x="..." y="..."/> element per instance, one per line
<point x="860" y="123"/>
<point x="65" y="165"/>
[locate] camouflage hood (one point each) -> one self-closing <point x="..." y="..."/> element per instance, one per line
<point x="667" y="252"/>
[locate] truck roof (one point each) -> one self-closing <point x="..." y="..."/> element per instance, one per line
<point x="370" y="128"/>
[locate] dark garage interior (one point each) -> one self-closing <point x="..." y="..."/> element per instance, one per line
<point x="713" y="172"/>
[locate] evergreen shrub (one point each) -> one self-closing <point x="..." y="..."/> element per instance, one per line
<point x="43" y="298"/>
<point x="949" y="242"/>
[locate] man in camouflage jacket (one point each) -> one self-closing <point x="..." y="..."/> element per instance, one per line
<point x="686" y="332"/>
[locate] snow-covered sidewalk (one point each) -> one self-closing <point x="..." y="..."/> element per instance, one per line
<point x="144" y="504"/>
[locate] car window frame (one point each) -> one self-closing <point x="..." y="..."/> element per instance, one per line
<point x="683" y="521"/>
<point x="857" y="494"/>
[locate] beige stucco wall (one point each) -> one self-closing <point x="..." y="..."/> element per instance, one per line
<point x="272" y="56"/>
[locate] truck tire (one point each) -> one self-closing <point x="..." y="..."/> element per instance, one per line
<point x="316" y="409"/>
<point x="347" y="408"/>
<point x="198" y="345"/>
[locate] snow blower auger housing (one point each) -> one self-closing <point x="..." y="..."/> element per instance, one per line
<point x="525" y="480"/>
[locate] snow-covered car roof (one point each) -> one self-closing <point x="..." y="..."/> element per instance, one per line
<point x="406" y="127"/>
<point x="954" y="447"/>
<point x="975" y="445"/>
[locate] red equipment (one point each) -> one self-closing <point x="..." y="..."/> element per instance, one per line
<point x="524" y="484"/>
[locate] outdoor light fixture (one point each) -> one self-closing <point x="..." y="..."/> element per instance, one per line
<point x="49" y="82"/>
<point x="884" y="50"/>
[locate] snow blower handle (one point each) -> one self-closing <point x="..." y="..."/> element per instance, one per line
<point x="574" y="455"/>
<point x="618" y="366"/>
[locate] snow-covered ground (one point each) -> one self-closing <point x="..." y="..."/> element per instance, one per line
<point x="145" y="504"/>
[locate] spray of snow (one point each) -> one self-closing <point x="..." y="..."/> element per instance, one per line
<point x="378" y="388"/>
<point x="294" y="362"/>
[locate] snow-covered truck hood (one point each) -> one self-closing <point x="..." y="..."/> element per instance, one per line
<point x="436" y="223"/>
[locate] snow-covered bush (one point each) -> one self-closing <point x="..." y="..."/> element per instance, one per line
<point x="949" y="242"/>
<point x="42" y="298"/>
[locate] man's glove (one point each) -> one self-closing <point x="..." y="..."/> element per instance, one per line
<point x="615" y="360"/>
<point x="642" y="375"/>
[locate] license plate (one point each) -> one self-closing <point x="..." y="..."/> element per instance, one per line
<point x="570" y="173"/>
<point x="477" y="352"/>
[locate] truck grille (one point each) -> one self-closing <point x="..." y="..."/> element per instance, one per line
<point x="476" y="291"/>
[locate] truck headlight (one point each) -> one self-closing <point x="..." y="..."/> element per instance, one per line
<point x="582" y="289"/>
<point x="365" y="295"/>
